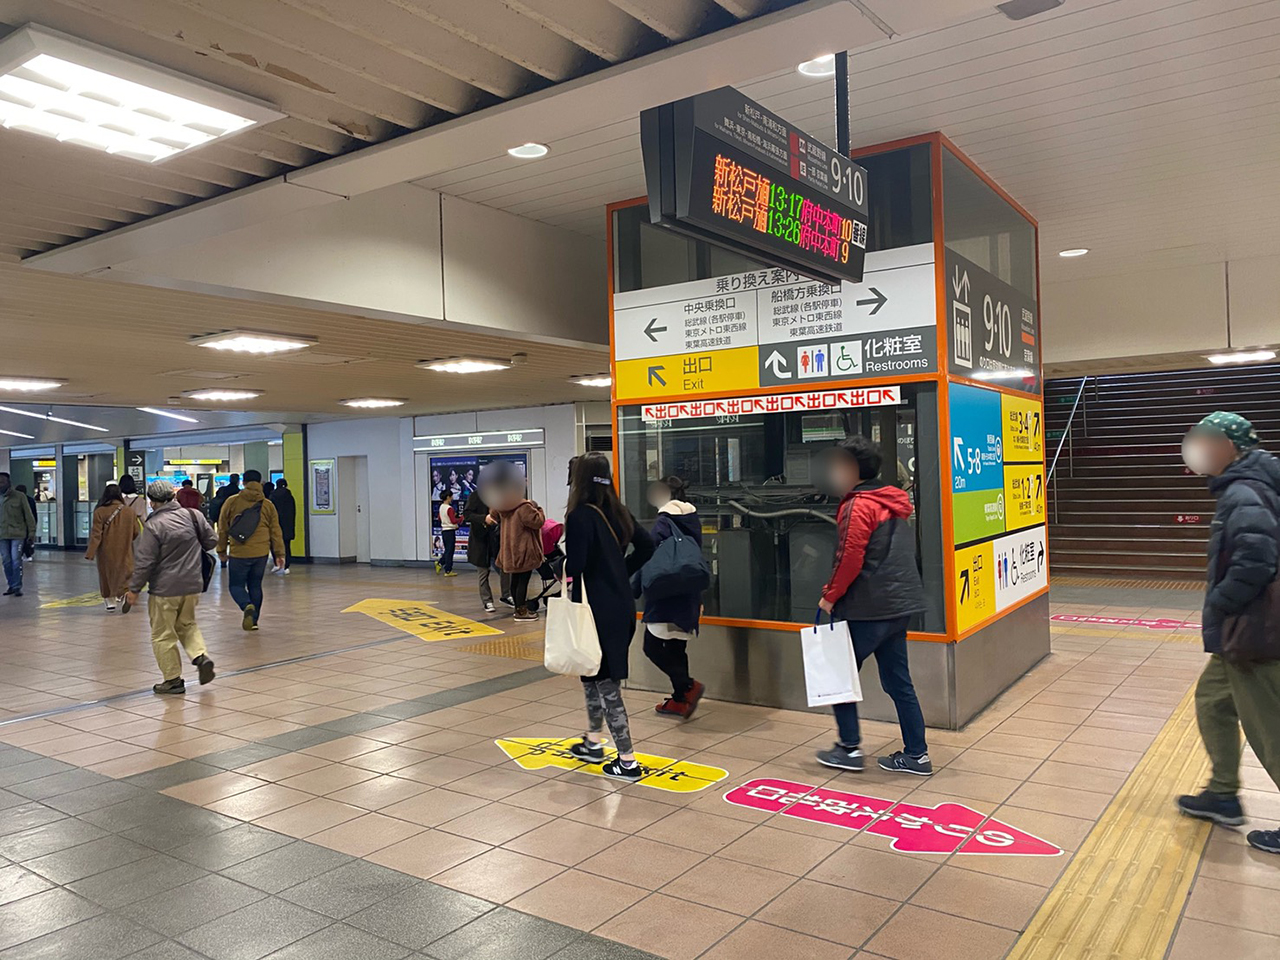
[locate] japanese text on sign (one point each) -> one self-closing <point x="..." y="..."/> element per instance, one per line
<point x="774" y="403"/>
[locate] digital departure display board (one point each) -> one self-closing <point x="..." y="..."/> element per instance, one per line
<point x="721" y="168"/>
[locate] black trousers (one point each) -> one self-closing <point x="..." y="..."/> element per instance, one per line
<point x="672" y="658"/>
<point x="520" y="589"/>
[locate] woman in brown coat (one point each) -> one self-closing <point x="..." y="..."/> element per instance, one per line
<point x="111" y="544"/>
<point x="502" y="486"/>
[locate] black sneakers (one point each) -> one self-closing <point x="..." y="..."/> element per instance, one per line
<point x="588" y="751"/>
<point x="171" y="686"/>
<point x="900" y="762"/>
<point x="620" y="770"/>
<point x="205" y="667"/>
<point x="1267" y="841"/>
<point x="841" y="758"/>
<point x="1217" y="807"/>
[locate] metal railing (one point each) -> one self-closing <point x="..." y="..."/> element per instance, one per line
<point x="1068" y="440"/>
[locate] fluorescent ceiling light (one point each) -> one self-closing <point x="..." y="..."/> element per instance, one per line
<point x="51" y="417"/>
<point x="1019" y="374"/>
<point x="24" y="436"/>
<point x="372" y="403"/>
<point x="59" y="86"/>
<point x="246" y="341"/>
<point x="529" y="151"/>
<point x="1074" y="252"/>
<point x="216" y="394"/>
<point x="602" y="381"/>
<point x="168" y="413"/>
<point x="464" y="365"/>
<point x="1243" y="356"/>
<point x="28" y="384"/>
<point x="823" y="66"/>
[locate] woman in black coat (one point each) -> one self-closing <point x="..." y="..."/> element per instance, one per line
<point x="598" y="532"/>
<point x="482" y="547"/>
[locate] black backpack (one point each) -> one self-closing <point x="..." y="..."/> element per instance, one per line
<point x="243" y="526"/>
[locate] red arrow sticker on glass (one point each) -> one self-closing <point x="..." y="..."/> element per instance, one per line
<point x="945" y="828"/>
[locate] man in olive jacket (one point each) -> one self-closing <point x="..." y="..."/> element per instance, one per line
<point x="1244" y="555"/>
<point x="249" y="555"/>
<point x="17" y="526"/>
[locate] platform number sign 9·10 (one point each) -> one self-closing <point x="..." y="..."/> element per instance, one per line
<point x="997" y="321"/>
<point x="846" y="180"/>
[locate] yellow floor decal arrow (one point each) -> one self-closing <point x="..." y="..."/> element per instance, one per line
<point x="422" y="620"/>
<point x="84" y="600"/>
<point x="661" y="773"/>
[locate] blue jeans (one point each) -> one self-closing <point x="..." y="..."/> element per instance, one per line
<point x="449" y="543"/>
<point x="887" y="641"/>
<point x="244" y="580"/>
<point x="11" y="554"/>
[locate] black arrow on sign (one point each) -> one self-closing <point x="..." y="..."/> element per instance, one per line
<point x="1040" y="558"/>
<point x="879" y="300"/>
<point x="964" y="585"/>
<point x="655" y="373"/>
<point x="650" y="329"/>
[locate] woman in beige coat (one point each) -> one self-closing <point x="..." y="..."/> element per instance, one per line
<point x="115" y="526"/>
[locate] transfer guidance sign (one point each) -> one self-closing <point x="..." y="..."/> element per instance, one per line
<point x="771" y="327"/>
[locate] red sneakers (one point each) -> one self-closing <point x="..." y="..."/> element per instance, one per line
<point x="674" y="708"/>
<point x="692" y="696"/>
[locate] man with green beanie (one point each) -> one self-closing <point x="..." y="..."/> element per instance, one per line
<point x="1244" y="555"/>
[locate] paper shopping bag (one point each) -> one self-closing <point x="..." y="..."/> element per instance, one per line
<point x="830" y="670"/>
<point x="572" y="646"/>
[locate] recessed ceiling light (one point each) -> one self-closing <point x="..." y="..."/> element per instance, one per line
<point x="28" y="384"/>
<point x="24" y="436"/>
<point x="1242" y="356"/>
<point x="169" y="413"/>
<point x="1021" y="9"/>
<point x="372" y="403"/>
<point x="601" y="381"/>
<point x="529" y="151"/>
<point x="1074" y="252"/>
<point x="823" y="66"/>
<point x="464" y="365"/>
<point x="246" y="341"/>
<point x="51" y="417"/>
<point x="59" y="86"/>
<point x="215" y="394"/>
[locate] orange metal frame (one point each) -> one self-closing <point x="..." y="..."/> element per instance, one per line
<point x="942" y="378"/>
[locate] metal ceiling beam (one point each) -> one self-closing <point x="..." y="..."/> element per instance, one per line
<point x="594" y="25"/>
<point x="675" y="19"/>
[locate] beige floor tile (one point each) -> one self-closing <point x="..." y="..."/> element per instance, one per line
<point x="434" y="807"/>
<point x="1080" y="778"/>
<point x="496" y="783"/>
<point x="310" y="818"/>
<point x="641" y="863"/>
<point x="134" y="763"/>
<point x="209" y="789"/>
<point x="914" y="934"/>
<point x="500" y="875"/>
<point x="1044" y="729"/>
<point x="1105" y="758"/>
<point x="1228" y="857"/>
<point x="1064" y="800"/>
<point x="1197" y="939"/>
<point x="561" y="899"/>
<point x="387" y="759"/>
<point x="439" y="771"/>
<point x="967" y="785"/>
<point x="995" y="900"/>
<point x="992" y="764"/>
<point x="1234" y="904"/>
<point x="556" y="797"/>
<point x="564" y="841"/>
<point x="1119" y="721"/>
<point x="362" y="836"/>
<point x="1034" y="747"/>
<point x="496" y="823"/>
<point x="259" y="802"/>
<point x="621" y="811"/>
<point x="283" y="767"/>
<point x="327" y="780"/>
<point x="873" y="871"/>
<point x="428" y="853"/>
<point x="828" y="912"/>
<point x="727" y="885"/>
<point x="761" y="941"/>
<point x="675" y="929"/>
<point x="775" y="849"/>
<point x="694" y="830"/>
<point x="344" y="749"/>
<point x="379" y="792"/>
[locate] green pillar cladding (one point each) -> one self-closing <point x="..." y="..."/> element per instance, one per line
<point x="257" y="456"/>
<point x="295" y="472"/>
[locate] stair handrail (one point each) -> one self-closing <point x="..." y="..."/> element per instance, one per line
<point x="1071" y="418"/>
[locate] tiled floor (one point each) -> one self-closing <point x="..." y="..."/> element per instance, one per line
<point x="348" y="800"/>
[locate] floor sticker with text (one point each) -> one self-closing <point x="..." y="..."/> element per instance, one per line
<point x="422" y="620"/>
<point x="660" y="773"/>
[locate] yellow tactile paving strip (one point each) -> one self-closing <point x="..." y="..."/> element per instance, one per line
<point x="1066" y="581"/>
<point x="516" y="648"/>
<point x="1124" y="891"/>
<point x="1134" y="633"/>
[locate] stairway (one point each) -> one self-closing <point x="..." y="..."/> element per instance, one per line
<point x="1121" y="502"/>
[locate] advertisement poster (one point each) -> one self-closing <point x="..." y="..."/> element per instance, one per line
<point x="460" y="474"/>
<point x="323" y="481"/>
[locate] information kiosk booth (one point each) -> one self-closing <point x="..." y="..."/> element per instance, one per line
<point x="735" y="374"/>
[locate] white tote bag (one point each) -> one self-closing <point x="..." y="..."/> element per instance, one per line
<point x="830" y="669"/>
<point x="572" y="646"/>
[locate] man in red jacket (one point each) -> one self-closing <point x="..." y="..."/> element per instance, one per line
<point x="875" y="586"/>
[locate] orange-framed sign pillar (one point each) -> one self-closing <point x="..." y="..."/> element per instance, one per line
<point x="737" y="373"/>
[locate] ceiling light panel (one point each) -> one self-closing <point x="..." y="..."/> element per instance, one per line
<point x="246" y="341"/>
<point x="1242" y="356"/>
<point x="529" y="151"/>
<point x="222" y="395"/>
<point x="58" y="86"/>
<point x="27" y="384"/>
<point x="10" y="433"/>
<point x="50" y="417"/>
<point x="604" y="380"/>
<point x="169" y="413"/>
<point x="823" y="66"/>
<point x="372" y="403"/>
<point x="464" y="365"/>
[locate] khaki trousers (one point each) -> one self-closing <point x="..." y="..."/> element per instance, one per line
<point x="173" y="622"/>
<point x="1229" y="697"/>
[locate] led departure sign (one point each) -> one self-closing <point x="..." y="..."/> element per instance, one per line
<point x="723" y="169"/>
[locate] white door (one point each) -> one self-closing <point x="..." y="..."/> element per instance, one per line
<point x="362" y="509"/>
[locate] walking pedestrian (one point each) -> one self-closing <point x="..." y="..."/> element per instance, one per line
<point x="599" y="532"/>
<point x="875" y="586"/>
<point x="483" y="543"/>
<point x="287" y="510"/>
<point x="220" y="498"/>
<point x="1242" y="600"/>
<point x="449" y="523"/>
<point x="133" y="498"/>
<point x="188" y="496"/>
<point x="670" y="622"/>
<point x="168" y="560"/>
<point x="17" y="530"/>
<point x="520" y="537"/>
<point x="249" y="529"/>
<point x="111" y="545"/>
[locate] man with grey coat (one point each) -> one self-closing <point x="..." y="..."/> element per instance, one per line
<point x="167" y="556"/>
